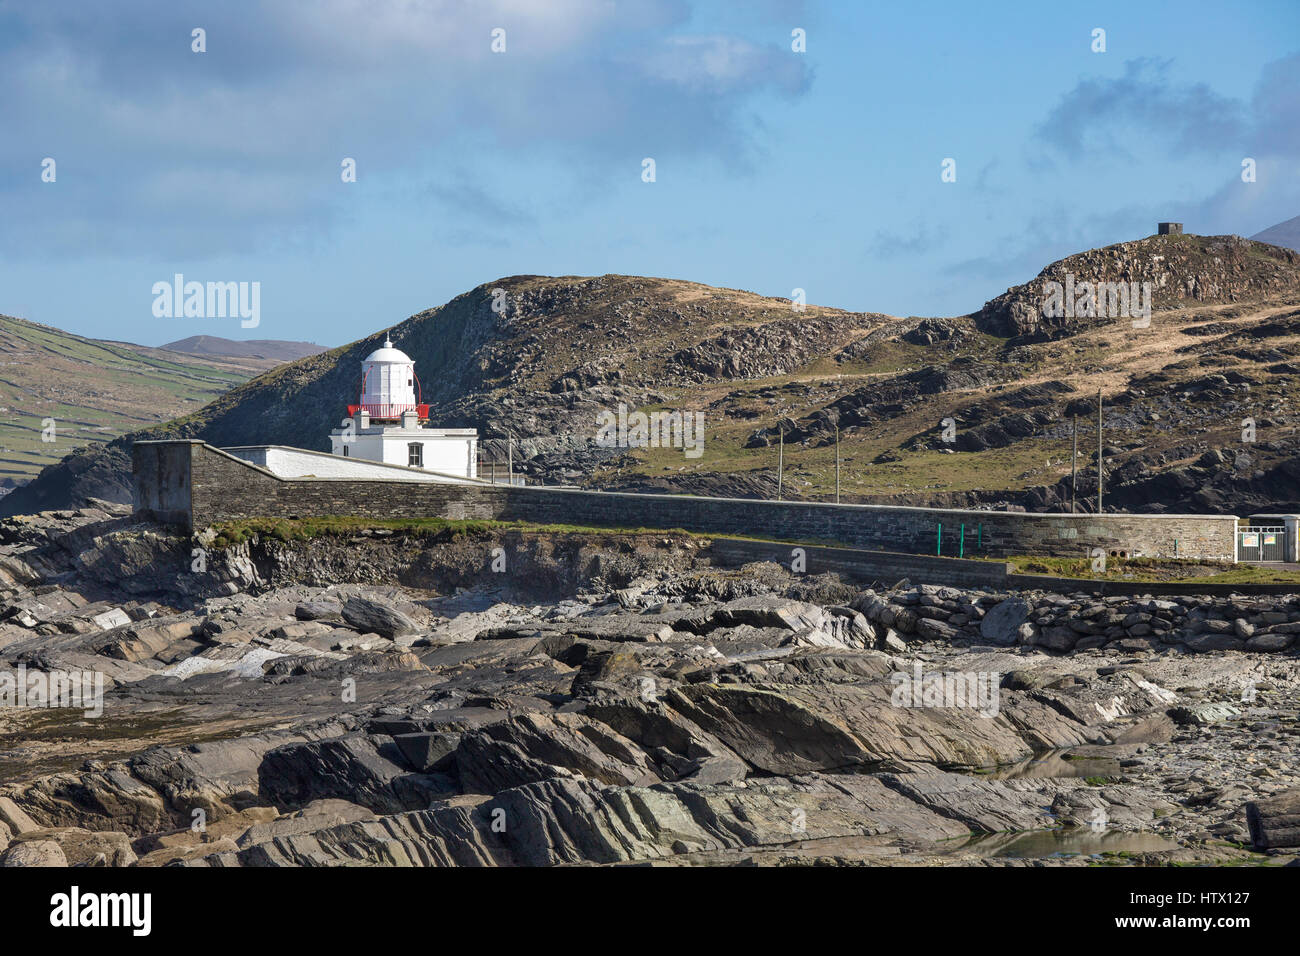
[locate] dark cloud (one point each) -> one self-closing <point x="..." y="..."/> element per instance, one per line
<point x="160" y="149"/>
<point x="1140" y="110"/>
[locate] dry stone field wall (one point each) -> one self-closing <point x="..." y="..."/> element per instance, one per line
<point x="1061" y="623"/>
<point x="194" y="484"/>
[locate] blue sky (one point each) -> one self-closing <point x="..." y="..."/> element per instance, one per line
<point x="774" y="169"/>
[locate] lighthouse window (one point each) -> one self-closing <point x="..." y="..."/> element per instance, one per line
<point x="415" y="454"/>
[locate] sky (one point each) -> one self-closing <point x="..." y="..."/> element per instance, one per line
<point x="775" y="168"/>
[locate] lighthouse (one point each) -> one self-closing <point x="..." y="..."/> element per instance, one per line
<point x="388" y="385"/>
<point x="389" y="422"/>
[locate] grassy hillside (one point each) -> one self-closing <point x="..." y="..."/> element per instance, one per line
<point x="93" y="390"/>
<point x="1223" y="344"/>
<point x="211" y="346"/>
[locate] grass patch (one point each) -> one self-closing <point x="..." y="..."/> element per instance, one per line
<point x="230" y="533"/>
<point x="1154" y="570"/>
<point x="304" y="529"/>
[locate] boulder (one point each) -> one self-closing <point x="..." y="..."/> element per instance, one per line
<point x="81" y="847"/>
<point x="511" y="752"/>
<point x="770" y="611"/>
<point x="138" y="644"/>
<point x="1001" y="625"/>
<point x="363" y="768"/>
<point x="1275" y="821"/>
<point x="1202" y="715"/>
<point x="929" y="629"/>
<point x="1056" y="638"/>
<point x="372" y="617"/>
<point x="318" y="611"/>
<point x="428" y="751"/>
<point x="15" y="817"/>
<point x="34" y="853"/>
<point x="1214" y="641"/>
<point x="787" y="729"/>
<point x="113" y="617"/>
<point x="170" y="855"/>
<point x="1270" y="642"/>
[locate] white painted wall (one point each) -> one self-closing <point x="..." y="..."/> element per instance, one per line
<point x="450" y="454"/>
<point x="300" y="463"/>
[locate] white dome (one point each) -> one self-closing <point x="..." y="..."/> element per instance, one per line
<point x="388" y="354"/>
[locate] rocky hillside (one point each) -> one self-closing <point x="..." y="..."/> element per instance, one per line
<point x="561" y="350"/>
<point x="1182" y="270"/>
<point x="540" y="358"/>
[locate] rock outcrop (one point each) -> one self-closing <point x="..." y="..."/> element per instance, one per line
<point x="683" y="714"/>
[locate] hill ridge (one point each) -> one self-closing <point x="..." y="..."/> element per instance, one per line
<point x="540" y="357"/>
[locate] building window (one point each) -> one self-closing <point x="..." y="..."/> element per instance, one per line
<point x="415" y="454"/>
<point x="345" y="451"/>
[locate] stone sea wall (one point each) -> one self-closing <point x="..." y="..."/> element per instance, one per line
<point x="194" y="484"/>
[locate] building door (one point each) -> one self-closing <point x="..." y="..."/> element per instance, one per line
<point x="1262" y="544"/>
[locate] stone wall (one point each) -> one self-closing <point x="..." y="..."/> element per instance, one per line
<point x="885" y="566"/>
<point x="162" y="473"/>
<point x="889" y="568"/>
<point x="222" y="487"/>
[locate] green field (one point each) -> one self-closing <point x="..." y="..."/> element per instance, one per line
<point x="59" y="391"/>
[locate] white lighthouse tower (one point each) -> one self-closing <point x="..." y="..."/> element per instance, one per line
<point x="388" y="384"/>
<point x="390" y="423"/>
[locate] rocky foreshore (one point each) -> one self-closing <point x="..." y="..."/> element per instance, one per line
<point x="504" y="699"/>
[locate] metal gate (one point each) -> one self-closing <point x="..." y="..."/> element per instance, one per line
<point x="1261" y="544"/>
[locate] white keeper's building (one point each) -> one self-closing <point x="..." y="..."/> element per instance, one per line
<point x="390" y="424"/>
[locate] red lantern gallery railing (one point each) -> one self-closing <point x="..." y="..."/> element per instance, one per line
<point x="390" y="412"/>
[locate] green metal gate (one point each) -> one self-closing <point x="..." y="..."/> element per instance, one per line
<point x="1261" y="543"/>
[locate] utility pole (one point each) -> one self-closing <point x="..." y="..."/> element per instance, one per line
<point x="510" y="459"/>
<point x="1074" y="463"/>
<point x="1101" y="465"/>
<point x="837" y="463"/>
<point x="780" y="463"/>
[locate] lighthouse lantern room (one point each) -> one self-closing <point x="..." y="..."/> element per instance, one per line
<point x="389" y="386"/>
<point x="389" y="422"/>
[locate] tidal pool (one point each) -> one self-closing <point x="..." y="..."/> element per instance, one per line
<point x="1069" y="841"/>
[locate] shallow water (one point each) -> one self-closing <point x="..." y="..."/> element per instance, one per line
<point x="1072" y="841"/>
<point x="1056" y="765"/>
